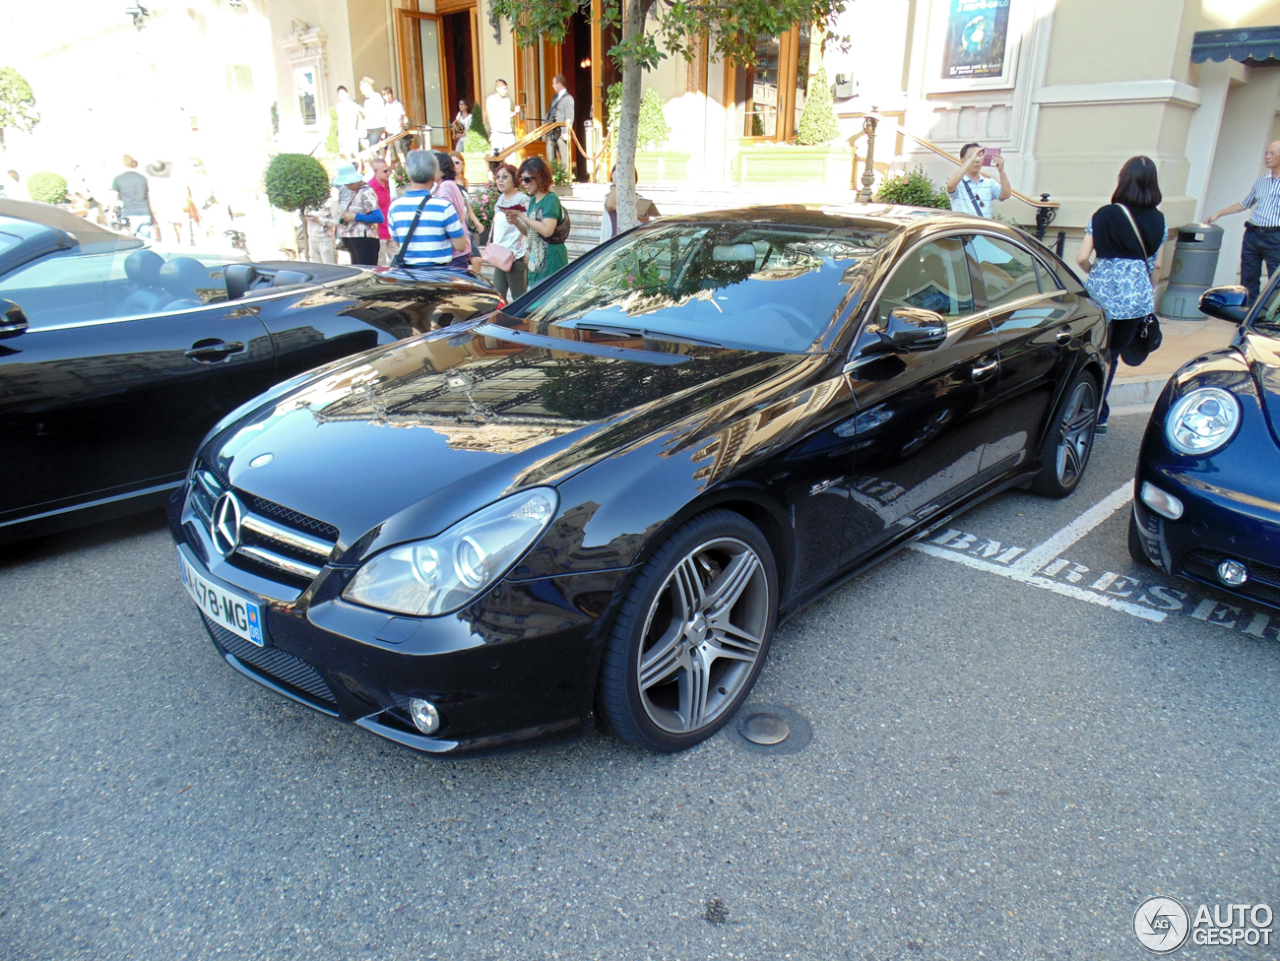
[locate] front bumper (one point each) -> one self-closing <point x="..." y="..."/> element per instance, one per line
<point x="517" y="665"/>
<point x="1229" y="510"/>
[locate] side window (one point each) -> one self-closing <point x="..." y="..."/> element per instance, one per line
<point x="1008" y="272"/>
<point x="934" y="277"/>
<point x="1048" y="283"/>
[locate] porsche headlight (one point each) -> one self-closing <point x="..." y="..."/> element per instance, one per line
<point x="448" y="571"/>
<point x="1202" y="421"/>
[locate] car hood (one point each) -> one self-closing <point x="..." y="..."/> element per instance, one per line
<point x="1263" y="355"/>
<point x="404" y="441"/>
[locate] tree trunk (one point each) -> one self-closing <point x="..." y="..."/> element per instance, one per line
<point x="629" y="124"/>
<point x="306" y="236"/>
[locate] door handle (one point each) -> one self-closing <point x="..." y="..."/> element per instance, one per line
<point x="983" y="372"/>
<point x="1063" y="337"/>
<point x="213" y="350"/>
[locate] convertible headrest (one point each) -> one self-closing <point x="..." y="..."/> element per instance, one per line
<point x="143" y="268"/>
<point x="183" y="276"/>
<point x="287" y="278"/>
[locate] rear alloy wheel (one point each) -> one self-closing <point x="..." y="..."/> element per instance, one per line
<point x="1069" y="440"/>
<point x="692" y="635"/>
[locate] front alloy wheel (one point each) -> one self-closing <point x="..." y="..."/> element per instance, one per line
<point x="692" y="635"/>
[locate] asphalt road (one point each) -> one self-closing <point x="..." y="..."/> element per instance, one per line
<point x="1000" y="767"/>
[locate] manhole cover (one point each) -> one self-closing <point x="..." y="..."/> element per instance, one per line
<point x="766" y="729"/>
<point x="769" y="729"/>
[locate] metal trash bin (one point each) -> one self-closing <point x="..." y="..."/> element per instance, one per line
<point x="1195" y="260"/>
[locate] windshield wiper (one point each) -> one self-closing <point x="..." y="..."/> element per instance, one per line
<point x="649" y="334"/>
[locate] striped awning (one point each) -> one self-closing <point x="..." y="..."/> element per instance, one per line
<point x="1256" y="46"/>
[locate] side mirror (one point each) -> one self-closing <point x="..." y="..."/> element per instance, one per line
<point x="911" y="328"/>
<point x="1226" y="303"/>
<point x="13" y="320"/>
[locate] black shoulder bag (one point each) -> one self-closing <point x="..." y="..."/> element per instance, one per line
<point x="1148" y="337"/>
<point x="397" y="261"/>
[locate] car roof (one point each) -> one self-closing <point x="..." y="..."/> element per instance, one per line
<point x="876" y="218"/>
<point x="47" y="215"/>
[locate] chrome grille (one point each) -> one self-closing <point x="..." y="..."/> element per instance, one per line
<point x="273" y="537"/>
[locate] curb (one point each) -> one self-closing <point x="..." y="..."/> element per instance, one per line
<point x="1137" y="389"/>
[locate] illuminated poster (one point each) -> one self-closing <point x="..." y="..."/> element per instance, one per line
<point x="977" y="31"/>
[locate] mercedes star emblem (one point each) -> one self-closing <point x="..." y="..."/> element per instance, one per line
<point x="262" y="460"/>
<point x="225" y="529"/>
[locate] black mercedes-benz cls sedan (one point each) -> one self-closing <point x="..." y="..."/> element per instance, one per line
<point x="603" y="498"/>
<point x="115" y="360"/>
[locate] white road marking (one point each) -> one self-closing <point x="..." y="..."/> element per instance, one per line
<point x="1038" y="557"/>
<point x="1034" y="580"/>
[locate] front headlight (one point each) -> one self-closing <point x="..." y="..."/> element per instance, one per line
<point x="1202" y="421"/>
<point x="446" y="572"/>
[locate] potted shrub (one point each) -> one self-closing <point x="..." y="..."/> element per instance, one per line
<point x="912" y="188"/>
<point x="654" y="163"/>
<point x="296" y="182"/>
<point x="561" y="179"/>
<point x="476" y="149"/>
<point x="47" y="187"/>
<point x="818" y="154"/>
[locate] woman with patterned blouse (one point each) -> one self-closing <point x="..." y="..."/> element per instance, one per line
<point x="359" y="216"/>
<point x="546" y="256"/>
<point x="1127" y="236"/>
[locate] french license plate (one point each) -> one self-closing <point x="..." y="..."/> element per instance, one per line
<point x="226" y="608"/>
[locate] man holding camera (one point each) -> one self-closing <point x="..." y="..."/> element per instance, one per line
<point x="972" y="193"/>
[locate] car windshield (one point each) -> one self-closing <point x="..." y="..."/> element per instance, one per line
<point x="1267" y="319"/>
<point x="771" y="287"/>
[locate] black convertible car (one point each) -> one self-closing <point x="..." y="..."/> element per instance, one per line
<point x="1205" y="504"/>
<point x="115" y="362"/>
<point x="608" y="493"/>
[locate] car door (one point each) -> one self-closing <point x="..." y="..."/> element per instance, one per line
<point x="1036" y="323"/>
<point x="924" y="414"/>
<point x="105" y="407"/>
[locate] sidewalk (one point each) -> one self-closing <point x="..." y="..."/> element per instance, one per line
<point x="1184" y="340"/>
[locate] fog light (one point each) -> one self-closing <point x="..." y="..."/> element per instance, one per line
<point x="425" y="716"/>
<point x="1232" y="573"/>
<point x="1163" y="504"/>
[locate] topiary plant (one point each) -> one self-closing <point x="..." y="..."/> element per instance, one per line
<point x="47" y="187"/>
<point x="560" y="175"/>
<point x="477" y="139"/>
<point x="653" y="131"/>
<point x="818" y="123"/>
<point x="296" y="182"/>
<point x="913" y="189"/>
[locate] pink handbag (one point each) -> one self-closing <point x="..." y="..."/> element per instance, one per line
<point x="496" y="255"/>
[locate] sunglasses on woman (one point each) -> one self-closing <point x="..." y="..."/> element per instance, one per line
<point x="526" y="180"/>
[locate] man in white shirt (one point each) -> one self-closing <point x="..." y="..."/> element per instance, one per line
<point x="374" y="109"/>
<point x="498" y="113"/>
<point x="972" y="193"/>
<point x="349" y="118"/>
<point x="397" y="121"/>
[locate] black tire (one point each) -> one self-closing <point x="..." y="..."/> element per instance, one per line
<point x="701" y="654"/>
<point x="1136" y="550"/>
<point x="1068" y="441"/>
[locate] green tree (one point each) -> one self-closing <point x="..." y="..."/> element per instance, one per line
<point x="818" y="123"/>
<point x="47" y="187"/>
<point x="17" y="103"/>
<point x="331" y="141"/>
<point x="296" y="182"/>
<point x="477" y="139"/>
<point x="654" y="30"/>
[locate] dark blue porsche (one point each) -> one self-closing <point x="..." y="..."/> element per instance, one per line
<point x="1206" y="498"/>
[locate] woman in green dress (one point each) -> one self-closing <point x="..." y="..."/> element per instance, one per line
<point x="546" y="257"/>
